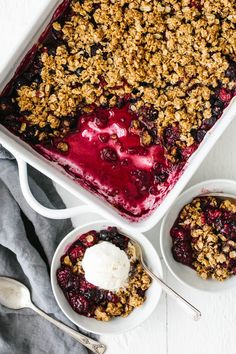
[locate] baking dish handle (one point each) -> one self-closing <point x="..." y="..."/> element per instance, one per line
<point x="39" y="208"/>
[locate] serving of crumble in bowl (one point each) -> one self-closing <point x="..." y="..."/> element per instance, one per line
<point x="116" y="301"/>
<point x="198" y="237"/>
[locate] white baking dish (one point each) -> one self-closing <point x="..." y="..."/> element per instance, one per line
<point x="25" y="154"/>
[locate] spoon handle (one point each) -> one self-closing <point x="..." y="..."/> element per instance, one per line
<point x="91" y="344"/>
<point x="196" y="314"/>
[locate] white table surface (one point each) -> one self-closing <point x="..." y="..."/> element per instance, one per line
<point x="169" y="330"/>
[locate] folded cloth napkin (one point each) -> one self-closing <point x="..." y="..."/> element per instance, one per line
<point x="27" y="244"/>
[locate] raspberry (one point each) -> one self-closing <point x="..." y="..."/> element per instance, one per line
<point x="85" y="285"/>
<point x="76" y="252"/>
<point x="63" y="276"/>
<point x="80" y="304"/>
<point x="225" y="95"/>
<point x="179" y="234"/>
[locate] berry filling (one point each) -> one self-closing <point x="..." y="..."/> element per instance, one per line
<point x="98" y="155"/>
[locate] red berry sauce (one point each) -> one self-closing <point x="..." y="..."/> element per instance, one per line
<point x="105" y="155"/>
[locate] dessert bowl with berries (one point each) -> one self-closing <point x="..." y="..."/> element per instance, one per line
<point x="125" y="88"/>
<point x="99" y="282"/>
<point x="198" y="236"/>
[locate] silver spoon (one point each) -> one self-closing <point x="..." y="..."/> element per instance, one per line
<point x="196" y="314"/>
<point x="16" y="296"/>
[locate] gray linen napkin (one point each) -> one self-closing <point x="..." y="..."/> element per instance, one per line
<point x="27" y="244"/>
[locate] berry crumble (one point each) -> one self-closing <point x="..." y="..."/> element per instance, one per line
<point x="204" y="237"/>
<point x="126" y="88"/>
<point x="91" y="301"/>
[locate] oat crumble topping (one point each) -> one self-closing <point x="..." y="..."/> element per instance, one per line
<point x="168" y="57"/>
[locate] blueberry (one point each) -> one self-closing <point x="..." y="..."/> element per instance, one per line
<point x="109" y="154"/>
<point x="200" y="135"/>
<point x="7" y="107"/>
<point x="57" y="36"/>
<point x="135" y="91"/>
<point x="11" y="122"/>
<point x="95" y="295"/>
<point x="153" y="114"/>
<point x="120" y="241"/>
<point x="94" y="48"/>
<point x="73" y="283"/>
<point x="217" y="106"/>
<point x="73" y="122"/>
<point x="231" y="71"/>
<point x="217" y="111"/>
<point x="21" y="81"/>
<point x="29" y="134"/>
<point x="25" y="113"/>
<point x="193" y="133"/>
<point x="208" y="123"/>
<point x="104" y="235"/>
<point x="145" y="84"/>
<point x="86" y="55"/>
<point x="104" y="55"/>
<point x="113" y="231"/>
<point x="117" y="239"/>
<point x="141" y="292"/>
<point x="38" y="79"/>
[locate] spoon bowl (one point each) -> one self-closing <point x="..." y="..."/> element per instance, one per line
<point x="14" y="294"/>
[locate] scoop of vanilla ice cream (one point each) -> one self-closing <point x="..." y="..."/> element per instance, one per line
<point x="106" y="266"/>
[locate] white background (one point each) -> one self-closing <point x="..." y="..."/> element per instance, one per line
<point x="169" y="330"/>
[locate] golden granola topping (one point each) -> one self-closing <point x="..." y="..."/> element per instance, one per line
<point x="170" y="55"/>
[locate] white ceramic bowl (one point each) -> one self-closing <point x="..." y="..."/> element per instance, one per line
<point x="181" y="272"/>
<point x="119" y="324"/>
